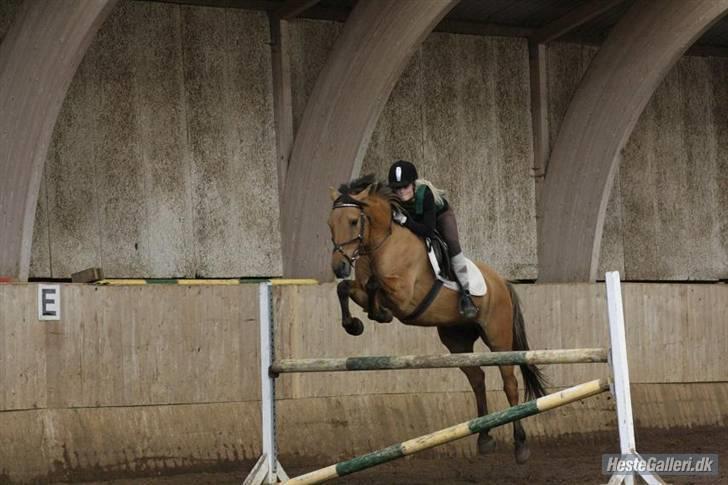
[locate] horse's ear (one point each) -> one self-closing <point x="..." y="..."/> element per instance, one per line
<point x="334" y="193"/>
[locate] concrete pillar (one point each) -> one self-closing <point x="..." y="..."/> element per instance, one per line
<point x="621" y="79"/>
<point x="375" y="46"/>
<point x="38" y="59"/>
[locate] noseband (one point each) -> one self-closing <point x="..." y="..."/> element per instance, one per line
<point x="358" y="252"/>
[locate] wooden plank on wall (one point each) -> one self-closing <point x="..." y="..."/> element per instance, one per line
<point x="22" y="349"/>
<point x="117" y="346"/>
<point x="172" y="344"/>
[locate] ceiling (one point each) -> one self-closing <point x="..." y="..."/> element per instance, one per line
<point x="519" y="18"/>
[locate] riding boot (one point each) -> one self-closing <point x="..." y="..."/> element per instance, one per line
<point x="460" y="268"/>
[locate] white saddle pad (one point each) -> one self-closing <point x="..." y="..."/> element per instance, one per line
<point x="476" y="281"/>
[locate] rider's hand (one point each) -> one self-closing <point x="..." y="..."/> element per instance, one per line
<point x="399" y="218"/>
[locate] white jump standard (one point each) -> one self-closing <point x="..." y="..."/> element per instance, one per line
<point x="268" y="470"/>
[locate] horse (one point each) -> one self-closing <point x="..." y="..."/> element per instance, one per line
<point x="393" y="278"/>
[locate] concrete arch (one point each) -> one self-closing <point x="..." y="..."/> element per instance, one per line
<point x="379" y="38"/>
<point x="38" y="59"/>
<point x="620" y="81"/>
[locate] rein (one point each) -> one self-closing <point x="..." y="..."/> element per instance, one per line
<point x="361" y="249"/>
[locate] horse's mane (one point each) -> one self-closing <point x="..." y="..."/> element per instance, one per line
<point x="378" y="188"/>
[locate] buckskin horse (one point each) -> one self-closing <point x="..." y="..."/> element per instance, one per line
<point x="393" y="277"/>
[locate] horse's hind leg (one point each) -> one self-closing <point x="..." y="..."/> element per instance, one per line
<point x="501" y="342"/>
<point x="460" y="340"/>
<point x="505" y="331"/>
<point x="344" y="290"/>
<point x="510" y="387"/>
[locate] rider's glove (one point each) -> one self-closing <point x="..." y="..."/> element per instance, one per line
<point x="399" y="218"/>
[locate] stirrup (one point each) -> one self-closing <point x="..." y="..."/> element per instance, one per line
<point x="467" y="307"/>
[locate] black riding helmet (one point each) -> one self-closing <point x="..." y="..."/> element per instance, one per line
<point x="401" y="174"/>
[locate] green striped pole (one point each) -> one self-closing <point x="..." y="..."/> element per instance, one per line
<point x="453" y="433"/>
<point x="519" y="357"/>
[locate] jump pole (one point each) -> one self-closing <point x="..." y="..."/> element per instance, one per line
<point x="453" y="433"/>
<point x="479" y="359"/>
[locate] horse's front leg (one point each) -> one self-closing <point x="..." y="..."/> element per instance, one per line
<point x="375" y="310"/>
<point x="351" y="289"/>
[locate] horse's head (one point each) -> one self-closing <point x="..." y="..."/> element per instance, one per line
<point x="360" y="213"/>
<point x="349" y="230"/>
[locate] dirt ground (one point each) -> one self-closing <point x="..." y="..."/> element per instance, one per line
<point x="574" y="460"/>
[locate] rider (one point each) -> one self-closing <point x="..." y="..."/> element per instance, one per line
<point x="427" y="212"/>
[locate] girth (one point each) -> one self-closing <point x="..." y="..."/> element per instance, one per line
<point x="425" y="303"/>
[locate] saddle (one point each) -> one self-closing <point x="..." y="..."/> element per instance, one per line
<point x="439" y="259"/>
<point x="442" y="267"/>
<point x="437" y="245"/>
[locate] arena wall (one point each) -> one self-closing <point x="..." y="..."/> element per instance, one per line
<point x="163" y="157"/>
<point x="666" y="217"/>
<point x="135" y="380"/>
<point x="163" y="162"/>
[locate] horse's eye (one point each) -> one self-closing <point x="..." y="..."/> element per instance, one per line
<point x="354" y="222"/>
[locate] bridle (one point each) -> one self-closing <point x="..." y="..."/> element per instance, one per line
<point x="360" y="249"/>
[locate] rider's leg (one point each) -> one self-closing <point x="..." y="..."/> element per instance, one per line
<point x="460" y="268"/>
<point x="448" y="229"/>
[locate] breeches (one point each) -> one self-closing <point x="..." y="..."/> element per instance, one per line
<point x="447" y="226"/>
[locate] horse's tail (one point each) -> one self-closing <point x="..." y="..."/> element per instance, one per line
<point x="532" y="376"/>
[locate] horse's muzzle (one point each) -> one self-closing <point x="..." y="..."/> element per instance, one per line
<point x="342" y="269"/>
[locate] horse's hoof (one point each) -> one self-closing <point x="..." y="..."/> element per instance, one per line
<point x="523" y="452"/>
<point x="381" y="317"/>
<point x="386" y="317"/>
<point x="354" y="327"/>
<point x="486" y="444"/>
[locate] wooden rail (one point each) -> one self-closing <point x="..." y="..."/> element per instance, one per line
<point x="519" y="357"/>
